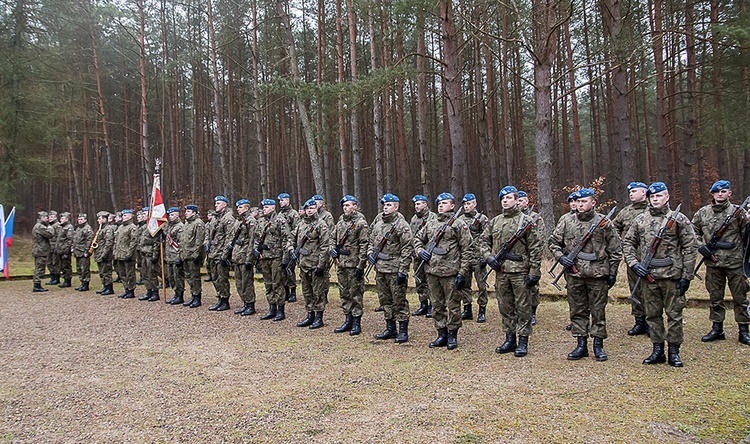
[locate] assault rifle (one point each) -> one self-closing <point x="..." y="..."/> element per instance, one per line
<point x="715" y="241"/>
<point x="648" y="257"/>
<point x="435" y="241"/>
<point x="576" y="251"/>
<point x="297" y="251"/>
<point x="237" y="233"/>
<point x="377" y="252"/>
<point x="504" y="253"/>
<point x="262" y="240"/>
<point x="340" y="245"/>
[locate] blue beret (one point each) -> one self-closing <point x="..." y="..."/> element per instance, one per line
<point x="633" y="185"/>
<point x="573" y="196"/>
<point x="221" y="198"/>
<point x="522" y="193"/>
<point x="242" y="202"/>
<point x="283" y="196"/>
<point x="192" y="207"/>
<point x="310" y="203"/>
<point x="127" y="211"/>
<point x="388" y="197"/>
<point x="173" y="210"/>
<point x="348" y="198"/>
<point x="318" y="197"/>
<point x="656" y="187"/>
<point x="468" y="197"/>
<point x="419" y="197"/>
<point x="720" y="185"/>
<point x="265" y="202"/>
<point x="586" y="192"/>
<point x="444" y="196"/>
<point x="144" y="210"/>
<point x="507" y="190"/>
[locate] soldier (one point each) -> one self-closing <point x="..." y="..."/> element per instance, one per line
<point x="523" y="203"/>
<point x="115" y="220"/>
<point x="125" y="247"/>
<point x="422" y="215"/>
<point x="103" y="253"/>
<point x="209" y="233"/>
<point x="150" y="259"/>
<point x="292" y="219"/>
<point x="243" y="237"/>
<point x="517" y="274"/>
<point x="192" y="249"/>
<point x="221" y="251"/>
<point x="268" y="250"/>
<point x="573" y="204"/>
<point x="445" y="267"/>
<point x="172" y="256"/>
<point x="671" y="270"/>
<point x="638" y="205"/>
<point x="140" y="222"/>
<point x="349" y="250"/>
<point x="324" y="214"/>
<point x="40" y="248"/>
<point x="723" y="260"/>
<point x="591" y="275"/>
<point x="391" y="249"/>
<point x="476" y="222"/>
<point x="53" y="261"/>
<point x="82" y="238"/>
<point x="64" y="247"/>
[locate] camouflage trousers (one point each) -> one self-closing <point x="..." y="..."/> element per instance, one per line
<point x="716" y="281"/>
<point x="243" y="280"/>
<point x="66" y="266"/>
<point x="221" y="279"/>
<point x="467" y="293"/>
<point x="192" y="272"/>
<point x="211" y="267"/>
<point x="105" y="272"/>
<point x="53" y="263"/>
<point x="514" y="302"/>
<point x="446" y="302"/>
<point x="175" y="274"/>
<point x="351" y="291"/>
<point x="662" y="297"/>
<point x="290" y="279"/>
<point x="83" y="268"/>
<point x="423" y="289"/>
<point x="126" y="270"/>
<point x="587" y="302"/>
<point x="392" y="297"/>
<point x="273" y="280"/>
<point x="40" y="264"/>
<point x="314" y="289"/>
<point x="636" y="309"/>
<point x="150" y="272"/>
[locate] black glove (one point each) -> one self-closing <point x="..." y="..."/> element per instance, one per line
<point x="256" y="252"/>
<point x="639" y="270"/>
<point x="154" y="259"/>
<point x="230" y="247"/>
<point x="248" y="267"/>
<point x="223" y="262"/>
<point x="611" y="280"/>
<point x="682" y="286"/>
<point x="400" y="278"/>
<point x="198" y="260"/>
<point x="319" y="272"/>
<point x="128" y="259"/>
<point x="334" y="253"/>
<point x="65" y="256"/>
<point x="460" y="282"/>
<point x="359" y="274"/>
<point x="531" y="281"/>
<point x="372" y="258"/>
<point x="293" y="255"/>
<point x="262" y="247"/>
<point x="565" y="262"/>
<point x="178" y="262"/>
<point x="493" y="263"/>
<point x="482" y="263"/>
<point x="424" y="255"/>
<point x="706" y="253"/>
<point x="284" y="264"/>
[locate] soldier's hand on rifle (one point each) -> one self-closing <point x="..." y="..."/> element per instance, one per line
<point x="154" y="259"/>
<point x="359" y="274"/>
<point x="706" y="253"/>
<point x="262" y="247"/>
<point x="178" y="262"/>
<point x="400" y="278"/>
<point x="460" y="282"/>
<point x="334" y="253"/>
<point x="372" y="258"/>
<point x="482" y="263"/>
<point x="197" y="260"/>
<point x="223" y="262"/>
<point x="248" y="266"/>
<point x="293" y="255"/>
<point x="531" y="281"/>
<point x="256" y="252"/>
<point x="565" y="262"/>
<point x="424" y="255"/>
<point x="128" y="259"/>
<point x="319" y="272"/>
<point x="284" y="263"/>
<point x="230" y="247"/>
<point x="611" y="280"/>
<point x="683" y="285"/>
<point x="493" y="263"/>
<point x="639" y="270"/>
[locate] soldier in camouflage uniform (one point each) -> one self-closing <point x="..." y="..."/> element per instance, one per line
<point x="174" y="272"/>
<point x="392" y="267"/>
<point x="268" y="250"/>
<point x="40" y="248"/>
<point x="517" y="274"/>
<point x="103" y="254"/>
<point x="209" y="232"/>
<point x="140" y="222"/>
<point x="82" y="238"/>
<point x="324" y="214"/>
<point x="591" y="275"/>
<point x="349" y="249"/>
<point x="192" y="249"/>
<point x="422" y="215"/>
<point x="476" y="222"/>
<point x="523" y="203"/>
<point x="638" y="205"/>
<point x="53" y="261"/>
<point x="221" y="251"/>
<point x="309" y="244"/>
<point x="573" y="203"/>
<point x="243" y="235"/>
<point x="724" y="261"/>
<point x="125" y="247"/>
<point x="292" y="220"/>
<point x="150" y="250"/>
<point x="445" y="268"/>
<point x="671" y="269"/>
<point x="64" y="248"/>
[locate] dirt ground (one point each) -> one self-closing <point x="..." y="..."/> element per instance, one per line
<point x="78" y="367"/>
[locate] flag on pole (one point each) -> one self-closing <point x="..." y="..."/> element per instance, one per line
<point x="157" y="213"/>
<point x="6" y="238"/>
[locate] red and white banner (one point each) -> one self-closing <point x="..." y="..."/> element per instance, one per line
<point x="157" y="213"/>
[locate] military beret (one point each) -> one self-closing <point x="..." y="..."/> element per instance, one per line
<point x="573" y="196"/>
<point x="522" y="193"/>
<point x="388" y="197"/>
<point x="468" y="197"/>
<point x="192" y="207"/>
<point x="119" y="213"/>
<point x="656" y="187"/>
<point x="318" y="197"/>
<point x="221" y="199"/>
<point x="242" y="202"/>
<point x="65" y="214"/>
<point x="419" y="197"/>
<point x="634" y="185"/>
<point x="83" y="215"/>
<point x="283" y="196"/>
<point x="348" y="198"/>
<point x="586" y="192"/>
<point x="127" y="211"/>
<point x="507" y="190"/>
<point x="444" y="196"/>
<point x="173" y="210"/>
<point x="720" y="185"/>
<point x="42" y="214"/>
<point x="102" y="214"/>
<point x="52" y="213"/>
<point x="265" y="202"/>
<point x="144" y="210"/>
<point x="310" y="203"/>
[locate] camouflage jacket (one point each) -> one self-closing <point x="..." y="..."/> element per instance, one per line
<point x="326" y="216"/>
<point x="243" y="234"/>
<point x="291" y="216"/>
<point x="453" y="254"/>
<point x="172" y="249"/>
<point x="312" y="239"/>
<point x="55" y="233"/>
<point x="603" y="252"/>
<point x="476" y="222"/>
<point x="273" y="231"/>
<point x="678" y="246"/>
<point x="222" y="235"/>
<point x="82" y="237"/>
<point x="419" y="220"/>
<point x="126" y="241"/>
<point x="729" y="249"/>
<point x="193" y="238"/>
<point x="396" y="254"/>
<point x="353" y="251"/>
<point x="147" y="244"/>
<point x="64" y="243"/>
<point x="625" y="217"/>
<point x="41" y="235"/>
<point x="105" y="243"/>
<point x="526" y="254"/>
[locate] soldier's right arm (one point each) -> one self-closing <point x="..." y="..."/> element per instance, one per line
<point x="698" y="224"/>
<point x="557" y="240"/>
<point x="631" y="242"/>
<point x="534" y="246"/>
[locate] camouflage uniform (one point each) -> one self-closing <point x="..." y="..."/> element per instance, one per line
<point x="352" y="257"/>
<point x="210" y="232"/>
<point x="273" y="230"/>
<point x="219" y="253"/>
<point x="174" y="272"/>
<point x="395" y="258"/>
<point x="622" y="222"/>
<point x="244" y="234"/>
<point x="64" y="247"/>
<point x="540" y="228"/>
<point x="125" y="247"/>
<point x="103" y="254"/>
<point x="192" y="248"/>
<point x="311" y="239"/>
<point x="53" y="260"/>
<point x="476" y="222"/>
<point x="82" y="238"/>
<point x="41" y="235"/>
<point x="418" y="221"/>
<point x="150" y="260"/>
<point x="292" y="218"/>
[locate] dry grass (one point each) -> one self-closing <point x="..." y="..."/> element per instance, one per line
<point x="85" y="368"/>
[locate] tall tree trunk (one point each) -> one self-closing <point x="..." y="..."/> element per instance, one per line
<point x="657" y="42"/>
<point x="376" y="109"/>
<point x="689" y="126"/>
<point x="225" y="174"/>
<point x="577" y="150"/>
<point x="422" y="103"/>
<point x="354" y="115"/>
<point x="145" y="148"/>
<point x="343" y="152"/>
<point x="257" y="107"/>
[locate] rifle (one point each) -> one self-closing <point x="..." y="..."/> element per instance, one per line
<point x="378" y="250"/>
<point x="649" y="256"/>
<point x="94" y="244"/>
<point x="237" y="232"/>
<point x="340" y="245"/>
<point x="262" y="240"/>
<point x="573" y="254"/>
<point x="435" y="241"/>
<point x="504" y="252"/>
<point x="716" y="237"/>
<point x="301" y="244"/>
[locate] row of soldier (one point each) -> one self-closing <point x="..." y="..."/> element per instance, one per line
<point x="445" y="250"/>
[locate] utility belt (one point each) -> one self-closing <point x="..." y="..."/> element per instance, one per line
<point x="344" y="252"/>
<point x="513" y="257"/>
<point x="591" y="257"/>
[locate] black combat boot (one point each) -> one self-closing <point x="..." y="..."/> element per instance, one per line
<point x="467" y="315"/>
<point x="482" y="315"/>
<point x="241" y="309"/>
<point x="429" y="310"/>
<point x="743" y="337"/>
<point x="54" y="279"/>
<point x="249" y="309"/>
<point x="84" y="286"/>
<point x="101" y="290"/>
<point x="452" y="339"/>
<point x="716" y="333"/>
<point x="657" y="356"/>
<point x="187" y="303"/>
<point x="581" y="350"/>
<point x="422" y="310"/>
<point x="346" y="326"/>
<point x="38" y="288"/>
<point x="107" y="290"/>
<point x="640" y="327"/>
<point x="280" y="315"/>
<point x="178" y="299"/>
<point x="196" y="302"/>
<point x="308" y="320"/>
<point x="216" y="305"/>
<point x="271" y="313"/>
<point x="403" y="332"/>
<point x="65" y="283"/>
<point x="522" y="349"/>
<point x="442" y="338"/>
<point x="674" y="355"/>
<point x="139" y="281"/>
<point x="154" y="296"/>
<point x="129" y="294"/>
<point x="78" y="288"/>
<point x="356" y="326"/>
<point x="533" y="315"/>
<point x="509" y="345"/>
<point x="318" y="322"/>
<point x="223" y="304"/>
<point x="292" y="297"/>
<point x="146" y="296"/>
<point x="599" y="352"/>
<point x="389" y="332"/>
